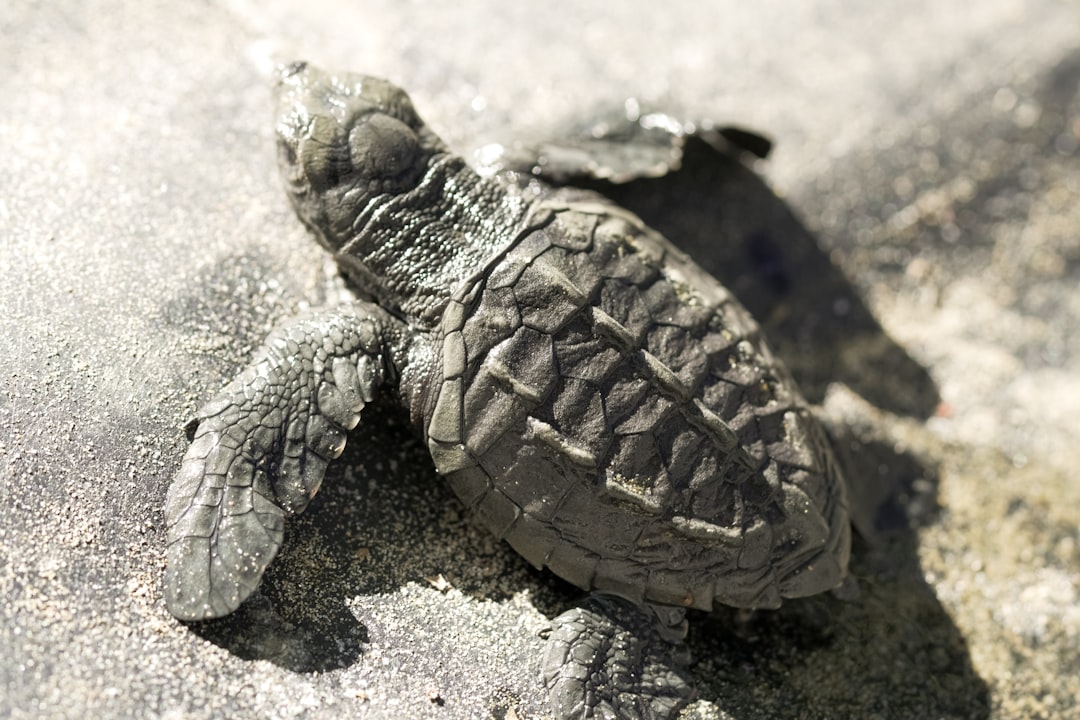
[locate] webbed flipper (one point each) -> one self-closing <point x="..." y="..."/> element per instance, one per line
<point x="612" y="659"/>
<point x="260" y="453"/>
<point x="618" y="148"/>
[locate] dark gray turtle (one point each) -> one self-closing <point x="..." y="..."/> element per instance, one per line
<point x="597" y="399"/>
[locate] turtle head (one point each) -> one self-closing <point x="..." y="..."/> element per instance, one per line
<point x="345" y="142"/>
<point x="406" y="219"/>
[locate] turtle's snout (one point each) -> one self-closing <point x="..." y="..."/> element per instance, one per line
<point x="294" y="68"/>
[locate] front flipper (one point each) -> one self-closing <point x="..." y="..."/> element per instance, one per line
<point x="618" y="148"/>
<point x="611" y="659"/>
<point x="260" y="452"/>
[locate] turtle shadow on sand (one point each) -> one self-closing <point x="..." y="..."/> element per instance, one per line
<point x="384" y="519"/>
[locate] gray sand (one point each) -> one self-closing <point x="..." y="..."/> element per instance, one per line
<point x="917" y="267"/>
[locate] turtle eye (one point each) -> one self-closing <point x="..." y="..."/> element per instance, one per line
<point x="383" y="147"/>
<point x="323" y="158"/>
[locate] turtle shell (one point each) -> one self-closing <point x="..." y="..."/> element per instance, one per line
<point x="609" y="409"/>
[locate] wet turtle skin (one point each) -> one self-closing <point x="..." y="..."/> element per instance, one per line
<point x="598" y="400"/>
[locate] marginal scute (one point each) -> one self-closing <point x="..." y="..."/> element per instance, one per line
<point x="449" y="457"/>
<point x="496" y="512"/>
<point x="453" y="355"/>
<point x="622" y="578"/>
<point x="454" y="315"/>
<point x="469" y="483"/>
<point x="666" y="587"/>
<point x="573" y="564"/>
<point x="445" y="423"/>
<point x="533" y="539"/>
<point x="753" y="588"/>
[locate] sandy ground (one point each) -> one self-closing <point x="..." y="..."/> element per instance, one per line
<point x="912" y="248"/>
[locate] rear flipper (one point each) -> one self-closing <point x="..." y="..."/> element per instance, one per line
<point x="612" y="659"/>
<point x="260" y="452"/>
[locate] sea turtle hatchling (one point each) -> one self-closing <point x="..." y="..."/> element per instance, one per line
<point x="598" y="400"/>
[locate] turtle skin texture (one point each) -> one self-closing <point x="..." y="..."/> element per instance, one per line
<point x="597" y="399"/>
